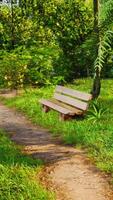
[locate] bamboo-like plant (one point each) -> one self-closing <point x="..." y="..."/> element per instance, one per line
<point x="103" y="16"/>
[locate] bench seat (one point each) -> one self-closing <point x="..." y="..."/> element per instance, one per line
<point x="57" y="107"/>
<point x="67" y="102"/>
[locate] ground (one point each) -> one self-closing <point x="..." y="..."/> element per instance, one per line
<point x="67" y="170"/>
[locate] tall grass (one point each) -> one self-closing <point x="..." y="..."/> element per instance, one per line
<point x="94" y="132"/>
<point x="18" y="174"/>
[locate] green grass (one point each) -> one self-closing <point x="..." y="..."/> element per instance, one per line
<point x="94" y="132"/>
<point x="18" y="174"/>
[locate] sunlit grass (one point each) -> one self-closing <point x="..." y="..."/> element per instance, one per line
<point x="18" y="174"/>
<point x="94" y="133"/>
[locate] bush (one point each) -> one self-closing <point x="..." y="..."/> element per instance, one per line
<point x="14" y="67"/>
<point x="41" y="69"/>
<point x="34" y="66"/>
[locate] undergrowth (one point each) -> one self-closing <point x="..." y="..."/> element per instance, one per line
<point x="18" y="174"/>
<point x="94" y="131"/>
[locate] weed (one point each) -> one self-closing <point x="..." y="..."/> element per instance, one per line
<point x="97" y="112"/>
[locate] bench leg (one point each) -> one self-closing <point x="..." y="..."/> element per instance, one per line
<point x="45" y="108"/>
<point x="64" y="117"/>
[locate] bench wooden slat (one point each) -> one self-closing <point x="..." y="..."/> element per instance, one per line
<point x="71" y="101"/>
<point x="67" y="102"/>
<point x="57" y="107"/>
<point x="73" y="93"/>
<point x="73" y="109"/>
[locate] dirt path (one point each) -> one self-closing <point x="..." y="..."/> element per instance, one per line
<point x="67" y="169"/>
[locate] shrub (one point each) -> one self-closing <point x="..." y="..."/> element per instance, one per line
<point x="14" y="67"/>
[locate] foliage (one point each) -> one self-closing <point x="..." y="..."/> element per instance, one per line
<point x="104" y="46"/>
<point x="102" y="12"/>
<point x="105" y="33"/>
<point x="33" y="66"/>
<point x="41" y="70"/>
<point x="16" y="29"/>
<point x="18" y="174"/>
<point x="58" y="39"/>
<point x="40" y="27"/>
<point x="70" y="21"/>
<point x="14" y="67"/>
<point x="106" y="16"/>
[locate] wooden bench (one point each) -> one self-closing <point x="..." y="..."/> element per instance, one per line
<point x="67" y="102"/>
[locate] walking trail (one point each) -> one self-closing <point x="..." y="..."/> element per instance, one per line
<point x="67" y="170"/>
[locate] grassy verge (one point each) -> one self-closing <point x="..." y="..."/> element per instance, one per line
<point x="94" y="132"/>
<point x="18" y="174"/>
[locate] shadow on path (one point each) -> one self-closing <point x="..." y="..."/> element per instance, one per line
<point x="37" y="141"/>
<point x="71" y="171"/>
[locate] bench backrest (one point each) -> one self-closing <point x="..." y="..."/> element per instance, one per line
<point x="72" y="97"/>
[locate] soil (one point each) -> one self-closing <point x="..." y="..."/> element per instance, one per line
<point x="67" y="170"/>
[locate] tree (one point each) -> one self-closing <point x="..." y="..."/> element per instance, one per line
<point x="70" y="23"/>
<point x="96" y="83"/>
<point x="102" y="26"/>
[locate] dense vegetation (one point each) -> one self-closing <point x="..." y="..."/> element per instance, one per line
<point x="18" y="174"/>
<point x="49" y="42"/>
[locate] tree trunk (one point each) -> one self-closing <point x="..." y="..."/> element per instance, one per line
<point x="95" y="10"/>
<point x="12" y="26"/>
<point x="97" y="82"/>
